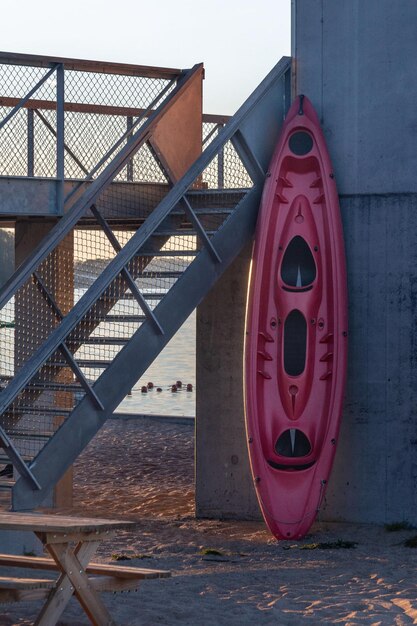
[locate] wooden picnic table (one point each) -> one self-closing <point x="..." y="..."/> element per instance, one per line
<point x="71" y="542"/>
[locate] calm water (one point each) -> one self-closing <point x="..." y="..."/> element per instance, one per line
<point x="176" y="362"/>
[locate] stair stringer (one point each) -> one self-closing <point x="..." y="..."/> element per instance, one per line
<point x="85" y="420"/>
<point x="76" y="207"/>
<point x="271" y="87"/>
<point x="133" y="360"/>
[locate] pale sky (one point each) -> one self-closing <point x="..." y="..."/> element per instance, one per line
<point x="238" y="41"/>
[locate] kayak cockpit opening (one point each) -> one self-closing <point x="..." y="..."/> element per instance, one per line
<point x="293" y="446"/>
<point x="293" y="443"/>
<point x="295" y="343"/>
<point x="298" y="268"/>
<point x="300" y="143"/>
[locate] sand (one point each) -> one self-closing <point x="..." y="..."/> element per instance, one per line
<point x="143" y="471"/>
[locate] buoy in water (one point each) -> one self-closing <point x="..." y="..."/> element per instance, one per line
<point x="179" y="384"/>
<point x="174" y="388"/>
<point x="189" y="387"/>
<point x="144" y="389"/>
<point x="150" y="385"/>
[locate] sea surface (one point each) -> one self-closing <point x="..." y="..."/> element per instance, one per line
<point x="175" y="363"/>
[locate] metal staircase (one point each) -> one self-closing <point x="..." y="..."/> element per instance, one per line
<point x="81" y="358"/>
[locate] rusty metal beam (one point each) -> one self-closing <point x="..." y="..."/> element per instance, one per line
<point x="100" y="109"/>
<point x="176" y="139"/>
<point x="216" y="119"/>
<point x="75" y="107"/>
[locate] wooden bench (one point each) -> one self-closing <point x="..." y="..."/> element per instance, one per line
<point x="102" y="569"/>
<point x="105" y="577"/>
<point x="19" y="589"/>
<point x="71" y="542"/>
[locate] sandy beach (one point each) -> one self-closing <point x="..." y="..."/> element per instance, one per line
<point x="142" y="470"/>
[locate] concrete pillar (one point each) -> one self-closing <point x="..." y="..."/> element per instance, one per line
<point x="6" y="255"/>
<point x="355" y="61"/>
<point x="34" y="321"/>
<point x="223" y="481"/>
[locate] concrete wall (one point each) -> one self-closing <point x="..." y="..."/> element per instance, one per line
<point x="374" y="478"/>
<point x="356" y="61"/>
<point x="224" y="485"/>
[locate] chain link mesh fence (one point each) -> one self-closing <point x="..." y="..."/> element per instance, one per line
<point x="99" y="110"/>
<point x="68" y="276"/>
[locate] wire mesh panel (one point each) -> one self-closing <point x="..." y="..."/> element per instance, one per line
<point x="28" y="146"/>
<point x="13" y="144"/>
<point x="17" y="80"/>
<point x="214" y="175"/>
<point x="42" y="160"/>
<point x="222" y="171"/>
<point x="16" y="135"/>
<point x="128" y="298"/>
<point x="133" y="238"/>
<point x="99" y="108"/>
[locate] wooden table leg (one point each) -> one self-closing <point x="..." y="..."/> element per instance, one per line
<point x="73" y="580"/>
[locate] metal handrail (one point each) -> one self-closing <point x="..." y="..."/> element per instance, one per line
<point x="82" y="65"/>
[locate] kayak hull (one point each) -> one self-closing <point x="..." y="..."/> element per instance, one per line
<point x="296" y="329"/>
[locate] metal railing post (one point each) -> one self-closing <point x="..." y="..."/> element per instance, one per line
<point x="60" y="133"/>
<point x="30" y="143"/>
<point x="220" y="164"/>
<point x="287" y="91"/>
<point x="129" y="125"/>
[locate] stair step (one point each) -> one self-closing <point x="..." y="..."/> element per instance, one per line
<point x="51" y="386"/>
<point x="124" y="318"/>
<point x="158" y="274"/>
<point x="180" y="232"/>
<point x="4" y="459"/>
<point x="207" y="211"/>
<point x="209" y="194"/>
<point x="106" y="341"/>
<point x="89" y="363"/>
<point x="94" y="363"/>
<point x="28" y="434"/>
<point x="44" y="410"/>
<point x="171" y="253"/>
<point x="214" y="211"/>
<point x="119" y="318"/>
<point x="151" y="295"/>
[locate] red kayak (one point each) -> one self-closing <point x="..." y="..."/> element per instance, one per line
<point x="296" y="329"/>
